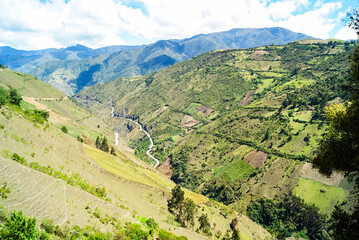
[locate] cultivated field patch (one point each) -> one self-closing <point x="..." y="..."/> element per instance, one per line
<point x="323" y="196"/>
<point x="256" y="158"/>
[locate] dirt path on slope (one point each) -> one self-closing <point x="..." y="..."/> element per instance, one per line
<point x="53" y="116"/>
<point x="247" y="99"/>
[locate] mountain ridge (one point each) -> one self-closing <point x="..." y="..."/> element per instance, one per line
<point x="66" y="69"/>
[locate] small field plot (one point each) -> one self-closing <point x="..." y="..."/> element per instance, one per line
<point x="236" y="170"/>
<point x="304" y="116"/>
<point x="323" y="196"/>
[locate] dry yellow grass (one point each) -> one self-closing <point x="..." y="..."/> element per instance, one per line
<point x="123" y="168"/>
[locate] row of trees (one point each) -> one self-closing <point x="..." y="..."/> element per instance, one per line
<point x="102" y="144"/>
<point x="183" y="208"/>
<point x="185" y="211"/>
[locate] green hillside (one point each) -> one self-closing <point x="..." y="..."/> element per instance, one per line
<point x="27" y="85"/>
<point x="55" y="173"/>
<point x="235" y="125"/>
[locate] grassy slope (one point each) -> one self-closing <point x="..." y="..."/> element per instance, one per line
<point x="285" y="79"/>
<point x="323" y="196"/>
<point x="28" y="85"/>
<point x="132" y="190"/>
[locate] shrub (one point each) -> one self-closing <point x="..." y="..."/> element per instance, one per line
<point x="64" y="129"/>
<point x="18" y="158"/>
<point x="48" y="225"/>
<point x="151" y="223"/>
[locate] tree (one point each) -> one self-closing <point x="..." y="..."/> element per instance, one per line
<point x="345" y="225"/>
<point x="104" y="145"/>
<point x="15" y="97"/>
<point x="174" y="204"/>
<point x="113" y="152"/>
<point x="189" y="211"/>
<point x="3" y="96"/>
<point x="339" y="150"/>
<point x="204" y="225"/>
<point x="98" y="142"/>
<point x="19" y="227"/>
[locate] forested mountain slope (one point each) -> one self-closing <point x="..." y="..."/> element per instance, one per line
<point x="240" y="125"/>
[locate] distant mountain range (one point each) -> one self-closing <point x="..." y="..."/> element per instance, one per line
<point x="73" y="68"/>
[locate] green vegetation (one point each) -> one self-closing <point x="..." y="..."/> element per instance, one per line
<point x="11" y="96"/>
<point x="287" y="216"/>
<point x="211" y="136"/>
<point x="282" y="118"/>
<point x="323" y="196"/>
<point x="64" y="129"/>
<point x="183" y="208"/>
<point x="339" y="149"/>
<point x="204" y="225"/>
<point x="28" y="85"/>
<point x="164" y="235"/>
<point x="4" y="191"/>
<point x="101" y="143"/>
<point x="19" y="227"/>
<point x="129" y="188"/>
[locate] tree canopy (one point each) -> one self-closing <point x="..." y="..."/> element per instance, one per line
<point x="339" y="150"/>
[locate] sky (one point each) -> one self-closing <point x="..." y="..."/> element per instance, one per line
<point x="39" y="24"/>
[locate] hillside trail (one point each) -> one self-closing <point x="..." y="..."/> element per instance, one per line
<point x="54" y="117"/>
<point x="156" y="161"/>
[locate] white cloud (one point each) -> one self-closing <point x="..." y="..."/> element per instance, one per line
<point x="284" y="9"/>
<point x="314" y="23"/>
<point x="346" y="33"/>
<point x="32" y="25"/>
<point x="57" y="24"/>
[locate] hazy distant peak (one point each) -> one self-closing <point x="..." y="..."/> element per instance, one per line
<point x="78" y="48"/>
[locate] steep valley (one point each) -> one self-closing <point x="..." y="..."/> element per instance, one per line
<point x="54" y="171"/>
<point x="237" y="125"/>
<point x="236" y="129"/>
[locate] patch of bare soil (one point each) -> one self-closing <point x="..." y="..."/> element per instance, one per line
<point x="311" y="41"/>
<point x="259" y="53"/>
<point x="188" y="121"/>
<point x="256" y="158"/>
<point x="53" y="117"/>
<point x="246" y="100"/>
<point x="205" y="110"/>
<point x="166" y="168"/>
<point x="309" y="172"/>
<point x="188" y="130"/>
